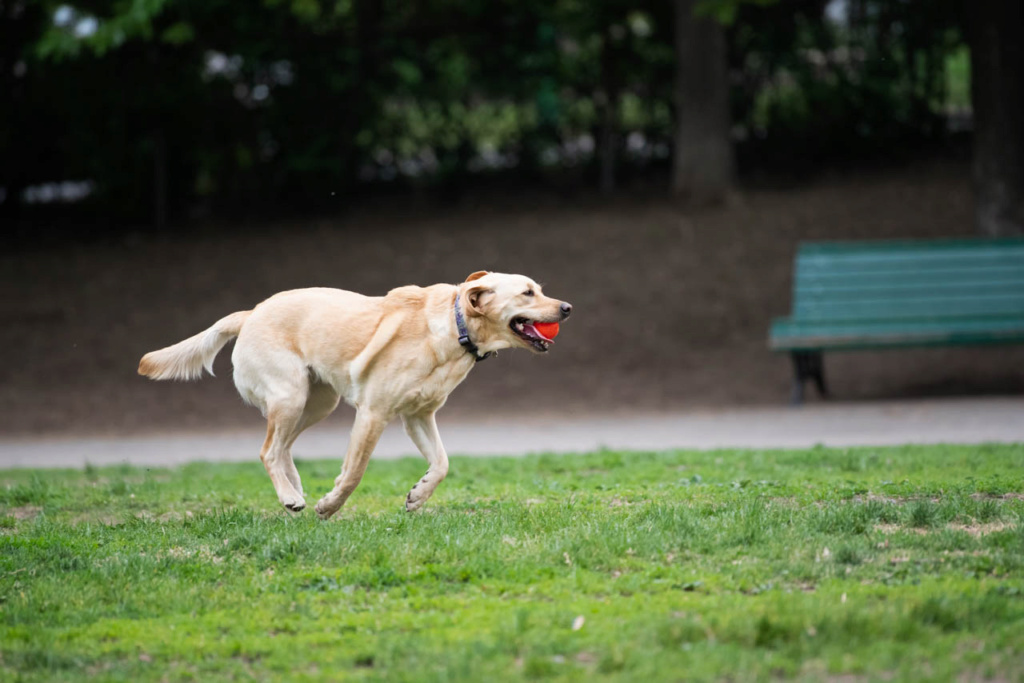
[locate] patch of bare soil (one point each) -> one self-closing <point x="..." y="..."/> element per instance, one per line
<point x="1004" y="496"/>
<point x="889" y="529"/>
<point x="23" y="512"/>
<point x="975" y="529"/>
<point x="671" y="305"/>
<point x="978" y="530"/>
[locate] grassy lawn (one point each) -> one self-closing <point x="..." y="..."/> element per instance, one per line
<point x="846" y="565"/>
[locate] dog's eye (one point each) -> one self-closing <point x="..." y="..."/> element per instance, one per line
<point x="528" y="292"/>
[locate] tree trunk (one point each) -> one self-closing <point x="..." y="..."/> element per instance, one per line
<point x="996" y="31"/>
<point x="608" y="109"/>
<point x="703" y="166"/>
<point x="608" y="145"/>
<point x="17" y="30"/>
<point x="347" y="112"/>
<point x="159" y="180"/>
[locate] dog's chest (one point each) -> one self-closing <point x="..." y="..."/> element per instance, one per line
<point x="432" y="391"/>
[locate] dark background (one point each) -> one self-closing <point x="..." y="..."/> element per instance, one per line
<point x="165" y="162"/>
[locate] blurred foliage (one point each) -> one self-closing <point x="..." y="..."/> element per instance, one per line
<point x="820" y="90"/>
<point x="221" y="105"/>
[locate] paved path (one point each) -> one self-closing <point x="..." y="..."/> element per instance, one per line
<point x="831" y="424"/>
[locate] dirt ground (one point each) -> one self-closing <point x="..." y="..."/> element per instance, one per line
<point x="671" y="305"/>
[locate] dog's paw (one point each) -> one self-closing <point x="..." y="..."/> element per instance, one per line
<point x="324" y="510"/>
<point x="412" y="504"/>
<point x="293" y="502"/>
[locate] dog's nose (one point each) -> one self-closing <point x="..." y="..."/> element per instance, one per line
<point x="566" y="310"/>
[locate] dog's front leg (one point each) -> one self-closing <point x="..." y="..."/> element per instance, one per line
<point x="365" y="433"/>
<point x="422" y="429"/>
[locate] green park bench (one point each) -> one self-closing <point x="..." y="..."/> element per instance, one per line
<point x="886" y="295"/>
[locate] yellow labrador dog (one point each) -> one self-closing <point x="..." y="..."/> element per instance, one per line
<point x="299" y="352"/>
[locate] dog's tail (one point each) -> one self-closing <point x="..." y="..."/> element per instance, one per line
<point x="186" y="359"/>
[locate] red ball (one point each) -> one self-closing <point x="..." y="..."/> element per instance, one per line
<point x="549" y="330"/>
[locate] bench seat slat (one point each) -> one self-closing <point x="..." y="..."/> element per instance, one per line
<point x="909" y="277"/>
<point x="888" y="292"/>
<point x="923" y="307"/>
<point x="924" y="259"/>
<point x="791" y="334"/>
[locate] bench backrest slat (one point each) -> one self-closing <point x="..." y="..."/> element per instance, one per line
<point x="909" y="280"/>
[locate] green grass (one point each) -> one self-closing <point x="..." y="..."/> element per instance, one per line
<point x="862" y="564"/>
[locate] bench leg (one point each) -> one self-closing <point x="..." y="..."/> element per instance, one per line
<point x="807" y="365"/>
<point x="818" y="373"/>
<point x="797" y="395"/>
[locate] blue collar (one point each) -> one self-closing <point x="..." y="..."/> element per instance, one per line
<point x="464" y="340"/>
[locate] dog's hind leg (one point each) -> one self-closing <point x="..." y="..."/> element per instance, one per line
<point x="365" y="433"/>
<point x="422" y="429"/>
<point x="281" y="432"/>
<point x="283" y="390"/>
<point x="321" y="401"/>
<point x="283" y="421"/>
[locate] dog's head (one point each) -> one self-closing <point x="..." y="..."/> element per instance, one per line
<point x="503" y="309"/>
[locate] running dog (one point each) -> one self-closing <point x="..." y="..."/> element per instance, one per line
<point x="300" y="352"/>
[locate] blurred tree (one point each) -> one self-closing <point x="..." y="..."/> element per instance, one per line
<point x="23" y="152"/>
<point x="703" y="166"/>
<point x="997" y="90"/>
<point x="871" y="82"/>
<point x="173" y="109"/>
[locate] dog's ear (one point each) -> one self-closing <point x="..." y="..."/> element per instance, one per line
<point x="477" y="299"/>
<point x="477" y="275"/>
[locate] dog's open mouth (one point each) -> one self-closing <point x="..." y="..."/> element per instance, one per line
<point x="525" y="330"/>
